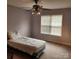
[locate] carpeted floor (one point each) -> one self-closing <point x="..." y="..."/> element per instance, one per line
<point x="52" y="51"/>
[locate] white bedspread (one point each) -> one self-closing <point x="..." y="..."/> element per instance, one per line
<point x="25" y="44"/>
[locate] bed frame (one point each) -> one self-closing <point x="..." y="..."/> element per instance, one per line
<point x="34" y="56"/>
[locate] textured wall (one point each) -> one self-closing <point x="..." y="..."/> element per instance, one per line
<point x="66" y="27"/>
<point x="18" y="20"/>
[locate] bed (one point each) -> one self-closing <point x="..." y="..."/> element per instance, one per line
<point x="33" y="47"/>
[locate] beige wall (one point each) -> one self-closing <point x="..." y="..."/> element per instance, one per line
<point x="18" y="20"/>
<point x="66" y="28"/>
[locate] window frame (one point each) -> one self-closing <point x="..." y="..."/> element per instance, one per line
<point x="52" y="34"/>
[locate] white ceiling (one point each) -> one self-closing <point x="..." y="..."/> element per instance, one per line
<point x="48" y="4"/>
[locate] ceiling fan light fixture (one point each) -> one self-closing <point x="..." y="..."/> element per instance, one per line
<point x="36" y="10"/>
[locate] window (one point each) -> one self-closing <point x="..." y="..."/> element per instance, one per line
<point x="51" y="24"/>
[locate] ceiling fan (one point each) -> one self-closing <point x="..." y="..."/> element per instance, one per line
<point x="36" y="10"/>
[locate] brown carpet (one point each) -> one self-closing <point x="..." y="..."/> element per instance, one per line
<point x="52" y="51"/>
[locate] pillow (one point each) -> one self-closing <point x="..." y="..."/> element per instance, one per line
<point x="12" y="35"/>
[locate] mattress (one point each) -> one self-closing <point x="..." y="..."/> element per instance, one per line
<point x="26" y="44"/>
